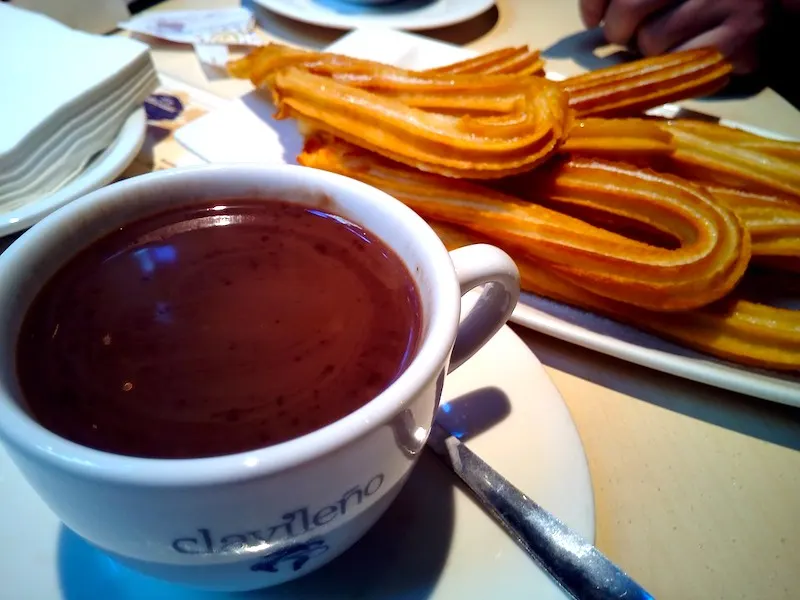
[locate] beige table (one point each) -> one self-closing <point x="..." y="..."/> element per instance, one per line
<point x="695" y="488"/>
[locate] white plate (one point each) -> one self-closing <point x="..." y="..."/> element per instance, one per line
<point x="101" y="170"/>
<point x="633" y="345"/>
<point x="433" y="543"/>
<point x="245" y="131"/>
<point x="403" y="14"/>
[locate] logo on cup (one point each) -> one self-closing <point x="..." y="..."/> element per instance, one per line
<point x="295" y="555"/>
<point x="294" y="523"/>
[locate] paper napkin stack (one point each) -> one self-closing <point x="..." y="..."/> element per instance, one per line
<point x="65" y="96"/>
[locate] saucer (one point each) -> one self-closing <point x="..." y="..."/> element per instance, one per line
<point x="433" y="543"/>
<point x="402" y="14"/>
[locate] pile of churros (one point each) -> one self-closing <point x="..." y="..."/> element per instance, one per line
<point x="687" y="229"/>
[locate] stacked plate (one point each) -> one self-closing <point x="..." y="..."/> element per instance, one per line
<point x="67" y="95"/>
<point x="389" y="14"/>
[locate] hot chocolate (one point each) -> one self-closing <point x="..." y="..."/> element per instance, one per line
<point x="209" y="330"/>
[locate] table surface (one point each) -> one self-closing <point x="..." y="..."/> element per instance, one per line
<point x="695" y="488"/>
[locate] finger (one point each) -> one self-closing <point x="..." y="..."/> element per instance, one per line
<point x="593" y="11"/>
<point x="670" y="28"/>
<point x="623" y="17"/>
<point x="737" y="44"/>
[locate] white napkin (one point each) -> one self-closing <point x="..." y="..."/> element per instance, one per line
<point x="50" y="72"/>
<point x="65" y="154"/>
<point x="243" y="131"/>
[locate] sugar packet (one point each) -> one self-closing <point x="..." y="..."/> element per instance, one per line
<point x="210" y="32"/>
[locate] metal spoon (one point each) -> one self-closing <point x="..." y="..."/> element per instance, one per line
<point x="578" y="567"/>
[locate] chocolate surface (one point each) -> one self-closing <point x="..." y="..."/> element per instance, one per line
<point x="210" y="330"/>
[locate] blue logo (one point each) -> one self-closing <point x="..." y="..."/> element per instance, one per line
<point x="163" y="107"/>
<point x="295" y="555"/>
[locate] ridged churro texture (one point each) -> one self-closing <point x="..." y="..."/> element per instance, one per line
<point x="506" y="61"/>
<point x="460" y="125"/>
<point x="456" y="146"/>
<point x="722" y="156"/>
<point x="735" y="328"/>
<point x="710" y="255"/>
<point x="633" y="87"/>
<point x="651" y="222"/>
<point x="629" y="140"/>
<point x="773" y="223"/>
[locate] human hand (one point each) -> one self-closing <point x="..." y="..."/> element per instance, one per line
<point x="654" y="27"/>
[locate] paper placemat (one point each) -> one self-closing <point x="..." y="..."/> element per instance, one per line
<point x="172" y="106"/>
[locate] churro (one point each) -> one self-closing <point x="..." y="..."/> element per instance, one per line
<point x="735" y="328"/>
<point x="712" y="248"/>
<point x="647" y="221"/>
<point x="633" y="87"/>
<point x="773" y="223"/>
<point x="456" y="124"/>
<point x="718" y="155"/>
<point x="508" y="61"/>
<point x="630" y="140"/>
<point x="463" y="147"/>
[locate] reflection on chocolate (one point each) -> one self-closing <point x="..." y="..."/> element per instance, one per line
<point x="216" y="329"/>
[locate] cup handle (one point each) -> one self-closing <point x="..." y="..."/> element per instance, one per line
<point x="475" y="265"/>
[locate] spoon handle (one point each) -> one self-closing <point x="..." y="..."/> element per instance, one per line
<point x="580" y="568"/>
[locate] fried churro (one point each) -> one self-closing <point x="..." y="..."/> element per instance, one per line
<point x="717" y="155"/>
<point x="633" y="87"/>
<point x="507" y="61"/>
<point x="735" y="328"/>
<point x="789" y="150"/>
<point x="647" y="221"/>
<point x="262" y="61"/>
<point x="773" y="223"/>
<point x="463" y="147"/>
<point x="712" y="252"/>
<point x="630" y="140"/>
<point x="458" y="125"/>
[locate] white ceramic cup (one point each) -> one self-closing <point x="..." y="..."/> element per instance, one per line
<point x="258" y="518"/>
